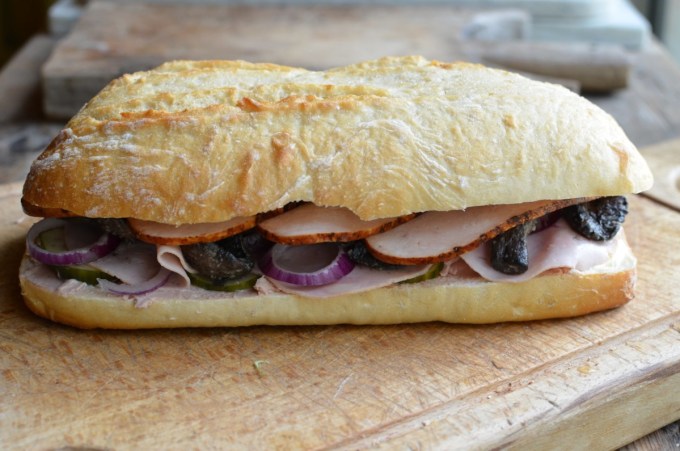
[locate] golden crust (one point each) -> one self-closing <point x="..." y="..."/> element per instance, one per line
<point x="206" y="141"/>
<point x="456" y="300"/>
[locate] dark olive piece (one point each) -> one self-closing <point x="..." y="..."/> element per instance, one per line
<point x="360" y="255"/>
<point x="118" y="227"/>
<point x="598" y="220"/>
<point x="254" y="244"/>
<point x="509" y="252"/>
<point x="220" y="260"/>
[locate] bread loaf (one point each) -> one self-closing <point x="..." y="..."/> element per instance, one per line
<point x="195" y="144"/>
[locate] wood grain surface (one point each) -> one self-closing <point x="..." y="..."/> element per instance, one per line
<point x="596" y="381"/>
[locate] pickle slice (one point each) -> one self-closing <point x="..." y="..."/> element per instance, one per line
<point x="431" y="273"/>
<point x="52" y="240"/>
<point x="83" y="273"/>
<point x="236" y="284"/>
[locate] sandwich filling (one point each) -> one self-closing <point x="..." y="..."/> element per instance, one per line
<point x="322" y="252"/>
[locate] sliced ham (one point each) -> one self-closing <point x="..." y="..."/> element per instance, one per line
<point x="359" y="280"/>
<point x="130" y="263"/>
<point x="158" y="233"/>
<point x="438" y="236"/>
<point x="172" y="259"/>
<point x="444" y="235"/>
<point x="309" y="224"/>
<point x="556" y="247"/>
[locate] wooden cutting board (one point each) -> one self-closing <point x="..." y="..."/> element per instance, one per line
<point x="587" y="383"/>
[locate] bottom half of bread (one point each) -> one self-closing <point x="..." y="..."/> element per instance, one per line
<point x="451" y="299"/>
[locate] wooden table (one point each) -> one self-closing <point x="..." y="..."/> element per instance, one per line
<point x="349" y="387"/>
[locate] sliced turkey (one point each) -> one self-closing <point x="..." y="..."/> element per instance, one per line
<point x="172" y="259"/>
<point x="359" y="280"/>
<point x="158" y="233"/>
<point x="309" y="224"/>
<point x="438" y="236"/>
<point x="131" y="263"/>
<point x="558" y="246"/>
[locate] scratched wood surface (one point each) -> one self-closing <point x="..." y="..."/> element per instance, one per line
<point x="601" y="380"/>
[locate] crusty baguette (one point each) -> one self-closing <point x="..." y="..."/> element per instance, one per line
<point x="382" y="138"/>
<point x="449" y="299"/>
<point x="196" y="142"/>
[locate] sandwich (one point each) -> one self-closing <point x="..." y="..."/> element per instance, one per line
<point x="399" y="190"/>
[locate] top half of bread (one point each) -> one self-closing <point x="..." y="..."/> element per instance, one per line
<point x="205" y="141"/>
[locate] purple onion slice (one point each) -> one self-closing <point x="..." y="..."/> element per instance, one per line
<point x="86" y="253"/>
<point x="306" y="265"/>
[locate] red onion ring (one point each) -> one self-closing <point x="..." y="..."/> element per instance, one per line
<point x="81" y="255"/>
<point x="147" y="286"/>
<point x="306" y="265"/>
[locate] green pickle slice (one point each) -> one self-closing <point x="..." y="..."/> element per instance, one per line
<point x="83" y="273"/>
<point x="431" y="273"/>
<point x="53" y="241"/>
<point x="237" y="284"/>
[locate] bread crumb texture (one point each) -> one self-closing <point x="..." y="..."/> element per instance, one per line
<point x="205" y="141"/>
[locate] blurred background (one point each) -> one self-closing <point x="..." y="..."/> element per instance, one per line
<point x="664" y="17"/>
<point x="21" y="19"/>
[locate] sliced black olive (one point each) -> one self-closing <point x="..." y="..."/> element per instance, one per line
<point x="359" y="254"/>
<point x="598" y="220"/>
<point x="225" y="259"/>
<point x="509" y="252"/>
<point x="118" y="227"/>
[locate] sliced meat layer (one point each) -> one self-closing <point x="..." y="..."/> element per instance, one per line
<point x="556" y="247"/>
<point x="359" y="280"/>
<point x="131" y="263"/>
<point x="440" y="236"/>
<point x="309" y="224"/>
<point x="158" y="233"/>
<point x="172" y="259"/>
